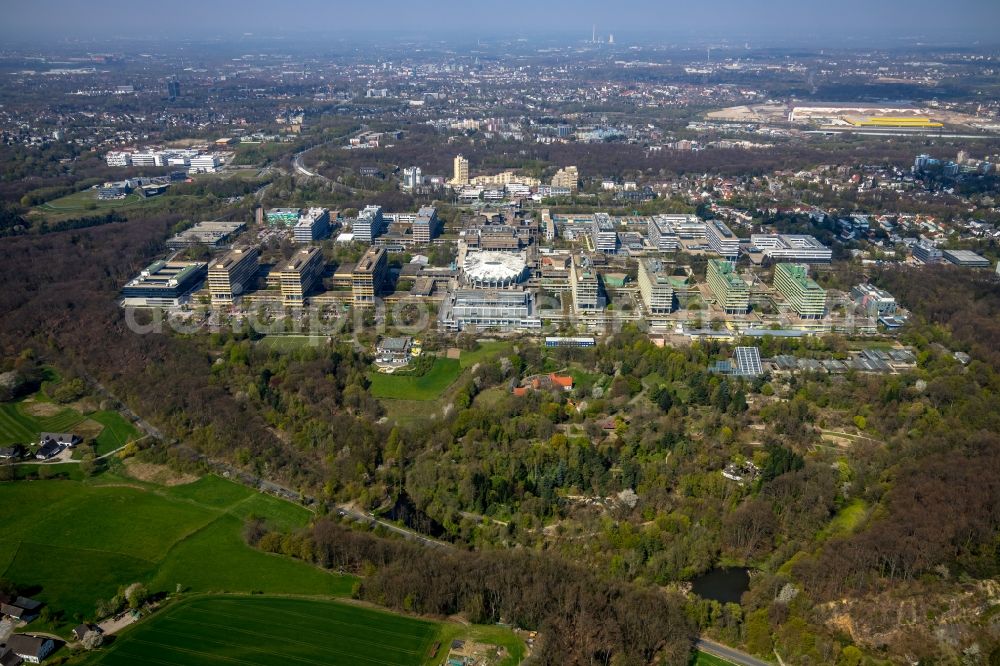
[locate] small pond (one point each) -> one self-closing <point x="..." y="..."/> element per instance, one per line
<point x="723" y="585"/>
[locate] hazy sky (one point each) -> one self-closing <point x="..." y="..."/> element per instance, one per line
<point x="827" y="21"/>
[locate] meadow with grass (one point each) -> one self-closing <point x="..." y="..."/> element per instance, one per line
<point x="268" y="630"/>
<point x="73" y="543"/>
<point x="428" y="386"/>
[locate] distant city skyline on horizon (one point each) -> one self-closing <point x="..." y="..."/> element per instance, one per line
<point x="851" y="22"/>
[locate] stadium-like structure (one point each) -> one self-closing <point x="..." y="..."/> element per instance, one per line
<point x="493" y="270"/>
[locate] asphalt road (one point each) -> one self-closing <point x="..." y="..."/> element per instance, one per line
<point x="345" y="510"/>
<point x="728" y="653"/>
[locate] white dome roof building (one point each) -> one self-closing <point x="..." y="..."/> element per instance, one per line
<point x="493" y="270"/>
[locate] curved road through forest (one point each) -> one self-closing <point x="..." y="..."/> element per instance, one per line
<point x="728" y="653"/>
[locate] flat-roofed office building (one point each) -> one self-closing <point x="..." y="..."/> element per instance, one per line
<point x="604" y="234"/>
<point x="232" y="274"/>
<point x="807" y="298"/>
<point x="661" y="233"/>
<point x="300" y="274"/>
<point x="313" y="225"/>
<point x="722" y="240"/>
<point x="487" y="308"/>
<point x="792" y="247"/>
<point x="731" y="292"/>
<point x="369" y="225"/>
<point x="368" y="276"/>
<point x="163" y="283"/>
<point x="655" y="287"/>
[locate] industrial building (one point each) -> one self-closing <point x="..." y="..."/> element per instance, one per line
<point x="493" y="270"/>
<point x="966" y="258"/>
<point x="369" y="225"/>
<point x="731" y="292"/>
<point x="232" y="274"/>
<point x="163" y="283"/>
<point x="792" y="247"/>
<point x="213" y="234"/>
<point x="426" y="225"/>
<point x="655" y="287"/>
<point x="604" y="234"/>
<point x="806" y="297"/>
<point x="722" y="240"/>
<point x="369" y="276"/>
<point x="300" y="274"/>
<point x="586" y="285"/>
<point x="282" y="216"/>
<point x="313" y="225"/>
<point x="504" y="310"/>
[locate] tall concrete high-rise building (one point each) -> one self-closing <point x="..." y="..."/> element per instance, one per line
<point x="461" y="176"/>
<point x="806" y="297"/>
<point x="425" y="225"/>
<point x="655" y="287"/>
<point x="585" y="284"/>
<point x="232" y="274"/>
<point x="368" y="276"/>
<point x="567" y="177"/>
<point x="413" y="178"/>
<point x="731" y="292"/>
<point x="299" y="275"/>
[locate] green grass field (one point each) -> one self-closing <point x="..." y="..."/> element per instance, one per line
<point x="86" y="200"/>
<point x="429" y="386"/>
<point x="117" y="431"/>
<point x="289" y="343"/>
<point x="706" y="659"/>
<point x="72" y="543"/>
<point x="15" y="426"/>
<point x="485" y="351"/>
<point x="267" y="631"/>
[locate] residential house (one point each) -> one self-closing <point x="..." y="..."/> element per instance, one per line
<point x="22" y="609"/>
<point x="49" y="450"/>
<point x="64" y="438"/>
<point x="33" y="649"/>
<point x="81" y="630"/>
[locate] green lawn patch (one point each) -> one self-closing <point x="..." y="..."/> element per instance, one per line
<point x="273" y="631"/>
<point x="212" y="491"/>
<point x="484" y="352"/>
<point x="428" y="386"/>
<point x="847" y="519"/>
<point x="15" y="426"/>
<point x="706" y="659"/>
<point x="279" y="513"/>
<point x="117" y="431"/>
